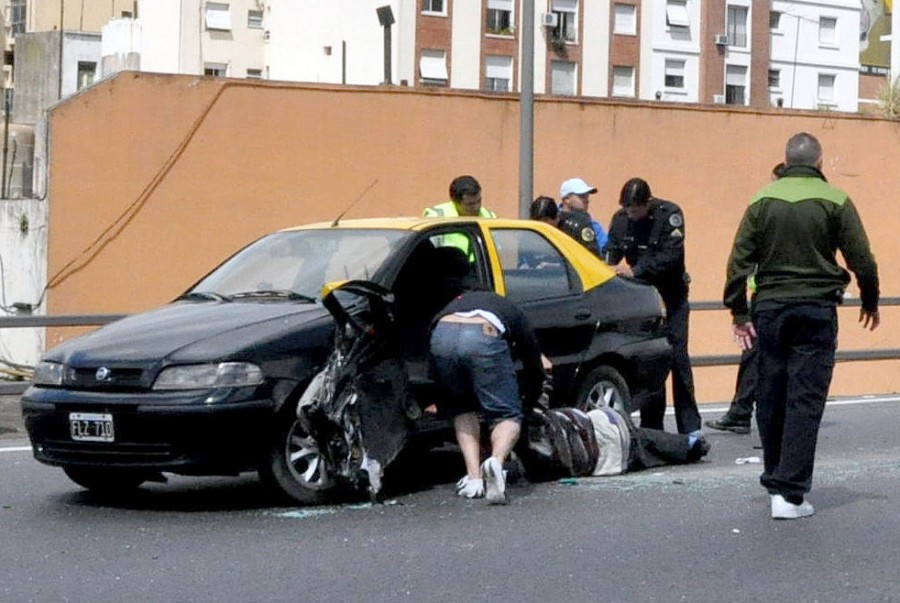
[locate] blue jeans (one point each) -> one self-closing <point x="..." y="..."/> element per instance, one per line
<point x="475" y="370"/>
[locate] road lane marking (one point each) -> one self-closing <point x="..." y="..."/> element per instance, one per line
<point x="16" y="449"/>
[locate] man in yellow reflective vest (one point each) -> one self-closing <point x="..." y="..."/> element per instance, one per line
<point x="465" y="200"/>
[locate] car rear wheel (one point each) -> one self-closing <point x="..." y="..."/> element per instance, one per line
<point x="604" y="386"/>
<point x="105" y="481"/>
<point x="296" y="467"/>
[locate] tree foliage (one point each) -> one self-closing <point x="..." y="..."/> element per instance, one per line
<point x="889" y="98"/>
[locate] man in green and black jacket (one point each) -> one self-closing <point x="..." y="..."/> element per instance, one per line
<point x="789" y="237"/>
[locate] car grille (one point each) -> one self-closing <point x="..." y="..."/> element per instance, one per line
<point x="105" y="378"/>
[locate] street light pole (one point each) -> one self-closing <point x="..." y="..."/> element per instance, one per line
<point x="526" y="111"/>
<point x="5" y="93"/>
<point x="5" y="172"/>
<point x="62" y="16"/>
<point x="386" y="19"/>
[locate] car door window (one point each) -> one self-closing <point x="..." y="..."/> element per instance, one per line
<point x="532" y="267"/>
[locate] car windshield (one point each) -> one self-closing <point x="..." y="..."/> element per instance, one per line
<point x="295" y="265"/>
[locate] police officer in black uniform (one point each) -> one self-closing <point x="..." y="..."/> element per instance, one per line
<point x="577" y="224"/>
<point x="648" y="233"/>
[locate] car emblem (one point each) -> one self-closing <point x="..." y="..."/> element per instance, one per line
<point x="103" y="373"/>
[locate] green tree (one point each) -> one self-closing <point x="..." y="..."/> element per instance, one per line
<point x="889" y="98"/>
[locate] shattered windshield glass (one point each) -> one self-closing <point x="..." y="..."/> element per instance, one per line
<point x="294" y="265"/>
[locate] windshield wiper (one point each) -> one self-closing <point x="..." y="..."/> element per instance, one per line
<point x="277" y="293"/>
<point x="204" y="295"/>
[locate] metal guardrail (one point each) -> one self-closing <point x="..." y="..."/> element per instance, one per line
<point x="90" y="320"/>
<point x="840" y="356"/>
<point x="62" y="320"/>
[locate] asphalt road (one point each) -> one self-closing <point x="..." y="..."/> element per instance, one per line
<point x="10" y="417"/>
<point x="691" y="533"/>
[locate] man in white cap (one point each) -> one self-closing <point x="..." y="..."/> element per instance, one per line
<point x="574" y="195"/>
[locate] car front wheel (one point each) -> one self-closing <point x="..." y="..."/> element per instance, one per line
<point x="296" y="467"/>
<point x="604" y="386"/>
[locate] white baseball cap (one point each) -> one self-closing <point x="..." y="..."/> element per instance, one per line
<point x="575" y="186"/>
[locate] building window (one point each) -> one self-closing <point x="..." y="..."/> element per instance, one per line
<point x="17" y="13"/>
<point x="625" y="22"/>
<point x="735" y="85"/>
<point x="87" y="71"/>
<point x="433" y="7"/>
<point x="254" y="19"/>
<point x="215" y="69"/>
<point x="737" y="26"/>
<point x="433" y="67"/>
<point x="623" y="81"/>
<point x="567" y="20"/>
<point x="774" y="20"/>
<point x="218" y="16"/>
<point x="827" y="30"/>
<point x="499" y="17"/>
<point x="498" y="73"/>
<point x="826" y="88"/>
<point x="674" y="74"/>
<point x="677" y="14"/>
<point x="562" y="77"/>
<point x="774" y="78"/>
<point x="254" y="74"/>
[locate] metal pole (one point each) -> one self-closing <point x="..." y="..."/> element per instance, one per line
<point x="794" y="69"/>
<point x="62" y="14"/>
<point x="387" y="54"/>
<point x="5" y="141"/>
<point x="526" y="111"/>
<point x="343" y="61"/>
<point x="5" y="93"/>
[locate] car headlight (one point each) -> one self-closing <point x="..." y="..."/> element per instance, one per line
<point x="207" y="376"/>
<point x="48" y="373"/>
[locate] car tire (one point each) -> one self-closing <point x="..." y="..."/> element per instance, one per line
<point x="295" y="468"/>
<point x="604" y="386"/>
<point x="105" y="481"/>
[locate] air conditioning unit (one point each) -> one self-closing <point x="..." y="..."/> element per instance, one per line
<point x="719" y="99"/>
<point x="549" y="19"/>
<point x="721" y="40"/>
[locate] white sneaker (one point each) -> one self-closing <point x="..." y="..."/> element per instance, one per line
<point x="494" y="480"/>
<point x="782" y="509"/>
<point x="469" y="487"/>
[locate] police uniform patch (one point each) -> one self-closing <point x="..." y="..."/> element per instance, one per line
<point x="588" y="234"/>
<point x="676" y="221"/>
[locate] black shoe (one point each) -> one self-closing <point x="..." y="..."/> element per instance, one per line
<point x="726" y="423"/>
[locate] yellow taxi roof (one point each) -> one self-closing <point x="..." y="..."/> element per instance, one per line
<point x="406" y="223"/>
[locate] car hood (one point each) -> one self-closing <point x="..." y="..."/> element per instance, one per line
<point x="191" y="332"/>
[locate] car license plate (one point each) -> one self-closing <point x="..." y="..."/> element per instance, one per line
<point x="91" y="427"/>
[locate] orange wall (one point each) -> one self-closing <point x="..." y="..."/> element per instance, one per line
<point x="154" y="179"/>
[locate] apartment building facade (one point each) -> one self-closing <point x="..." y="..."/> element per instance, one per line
<point x="793" y="53"/>
<point x="28" y="16"/>
<point x="796" y="54"/>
